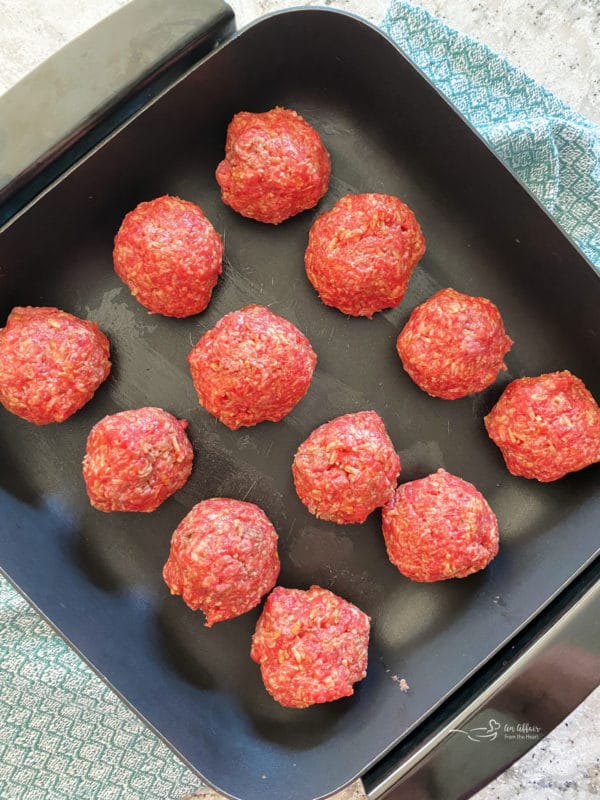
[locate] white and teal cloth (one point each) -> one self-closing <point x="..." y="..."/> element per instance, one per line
<point x="552" y="149"/>
<point x="63" y="734"/>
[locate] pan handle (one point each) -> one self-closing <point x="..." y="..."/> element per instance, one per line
<point x="535" y="689"/>
<point x="44" y="112"/>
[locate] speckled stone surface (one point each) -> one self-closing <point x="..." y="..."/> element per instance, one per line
<point x="31" y="30"/>
<point x="558" y="43"/>
<point x="354" y="792"/>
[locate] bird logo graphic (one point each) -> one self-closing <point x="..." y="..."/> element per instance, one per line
<point x="481" y="734"/>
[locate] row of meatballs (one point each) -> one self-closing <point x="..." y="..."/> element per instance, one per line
<point x="255" y="366"/>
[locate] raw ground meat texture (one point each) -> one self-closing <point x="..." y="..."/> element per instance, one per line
<point x="311" y="646"/>
<point x="453" y="344"/>
<point x="362" y="252"/>
<point x="252" y="366"/>
<point x="135" y="460"/>
<point x="51" y="363"/>
<point x="169" y="255"/>
<point x="223" y="558"/>
<point x="439" y="527"/>
<point x="546" y="426"/>
<point x="275" y="165"/>
<point x="346" y="468"/>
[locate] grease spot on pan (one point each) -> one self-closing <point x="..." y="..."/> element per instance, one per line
<point x="118" y="317"/>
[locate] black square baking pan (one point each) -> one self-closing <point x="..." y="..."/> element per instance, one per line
<point x="97" y="577"/>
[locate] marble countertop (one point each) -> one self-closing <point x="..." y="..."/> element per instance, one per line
<point x="557" y="42"/>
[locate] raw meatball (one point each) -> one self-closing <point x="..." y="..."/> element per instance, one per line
<point x="252" y="366"/>
<point x="223" y="558"/>
<point x="169" y="255"/>
<point x="311" y="646"/>
<point x="275" y="165"/>
<point x="453" y="344"/>
<point x="134" y="460"/>
<point x="346" y="468"/>
<point x="439" y="527"/>
<point x="546" y="426"/>
<point x="361" y="254"/>
<point x="51" y="363"/>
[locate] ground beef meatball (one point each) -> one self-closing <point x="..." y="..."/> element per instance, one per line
<point x="346" y="468"/>
<point x="453" y="344"/>
<point x="546" y="426"/>
<point x="311" y="646"/>
<point x="51" y="363"/>
<point x="439" y="527"/>
<point x="223" y="558"/>
<point x="169" y="255"/>
<point x="361" y="254"/>
<point x="252" y="366"/>
<point x="134" y="460"/>
<point x="275" y="165"/>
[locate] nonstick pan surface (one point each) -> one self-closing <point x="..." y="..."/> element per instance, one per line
<point x="97" y="577"/>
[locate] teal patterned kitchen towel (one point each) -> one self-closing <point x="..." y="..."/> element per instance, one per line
<point x="552" y="149"/>
<point x="63" y="734"/>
